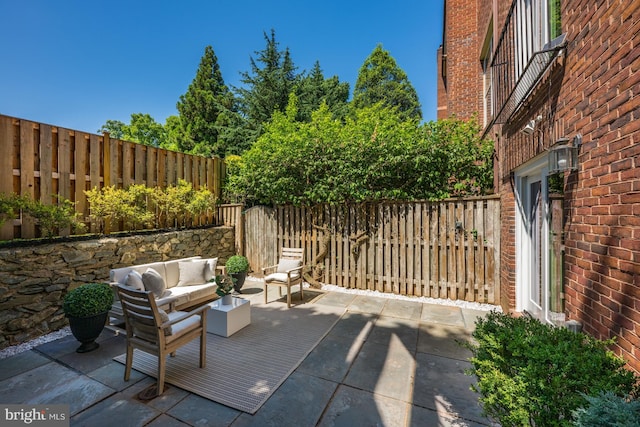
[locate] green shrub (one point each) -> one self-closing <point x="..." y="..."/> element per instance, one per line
<point x="608" y="410"/>
<point x="7" y="207"/>
<point x="88" y="300"/>
<point x="50" y="218"/>
<point x="138" y="206"/>
<point x="374" y="154"/>
<point x="530" y="373"/>
<point x="237" y="264"/>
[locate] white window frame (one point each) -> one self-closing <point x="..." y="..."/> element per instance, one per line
<point x="532" y="30"/>
<point x="487" y="76"/>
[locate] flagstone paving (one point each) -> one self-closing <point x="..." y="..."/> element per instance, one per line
<point x="386" y="362"/>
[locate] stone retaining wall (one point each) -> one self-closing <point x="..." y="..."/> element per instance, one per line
<point x="34" y="279"/>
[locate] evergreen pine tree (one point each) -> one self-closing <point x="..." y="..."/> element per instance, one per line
<point x="313" y="89"/>
<point x="267" y="86"/>
<point x="206" y="98"/>
<point x="381" y="80"/>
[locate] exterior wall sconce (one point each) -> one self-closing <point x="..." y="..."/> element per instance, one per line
<point x="563" y="155"/>
<point x="529" y="127"/>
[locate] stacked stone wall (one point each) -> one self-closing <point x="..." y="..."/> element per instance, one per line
<point x="34" y="279"/>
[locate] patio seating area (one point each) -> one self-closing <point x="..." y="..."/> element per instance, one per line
<point x="391" y="362"/>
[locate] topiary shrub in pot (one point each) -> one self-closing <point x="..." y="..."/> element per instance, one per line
<point x="87" y="308"/>
<point x="237" y="267"/>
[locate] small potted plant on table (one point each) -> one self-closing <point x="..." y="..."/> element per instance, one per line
<point x="237" y="267"/>
<point x="225" y="287"/>
<point x="87" y="308"/>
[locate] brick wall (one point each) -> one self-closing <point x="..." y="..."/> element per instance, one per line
<point x="600" y="99"/>
<point x="463" y="93"/>
<point x="593" y="90"/>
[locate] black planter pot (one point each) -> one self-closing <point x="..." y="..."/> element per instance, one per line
<point x="239" y="280"/>
<point x="87" y="329"/>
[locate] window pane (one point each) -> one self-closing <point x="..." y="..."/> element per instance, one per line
<point x="554" y="19"/>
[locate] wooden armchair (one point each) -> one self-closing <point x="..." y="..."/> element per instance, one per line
<point x="154" y="331"/>
<point x="287" y="273"/>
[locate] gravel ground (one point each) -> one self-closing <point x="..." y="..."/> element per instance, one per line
<point x="426" y="300"/>
<point x="16" y="349"/>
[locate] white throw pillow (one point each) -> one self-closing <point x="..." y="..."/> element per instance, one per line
<point x="134" y="280"/>
<point x="154" y="282"/>
<point x="210" y="269"/>
<point x="191" y="272"/>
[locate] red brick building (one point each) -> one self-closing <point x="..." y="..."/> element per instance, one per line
<point x="555" y="81"/>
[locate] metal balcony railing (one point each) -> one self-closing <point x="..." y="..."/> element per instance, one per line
<point x="522" y="56"/>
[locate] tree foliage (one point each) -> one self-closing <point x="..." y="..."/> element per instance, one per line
<point x="141" y="207"/>
<point x="381" y="80"/>
<point x="142" y="129"/>
<point x="313" y="89"/>
<point x="267" y="86"/>
<point x="50" y="218"/>
<point x="374" y="154"/>
<point x="203" y="109"/>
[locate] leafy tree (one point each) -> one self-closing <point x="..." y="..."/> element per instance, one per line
<point x="142" y="129"/>
<point x="145" y="130"/>
<point x="381" y="80"/>
<point x="200" y="107"/>
<point x="175" y="133"/>
<point x="115" y="128"/>
<point x="313" y="89"/>
<point x="374" y="154"/>
<point x="267" y="86"/>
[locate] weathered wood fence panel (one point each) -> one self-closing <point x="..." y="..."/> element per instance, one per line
<point x="47" y="162"/>
<point x="447" y="249"/>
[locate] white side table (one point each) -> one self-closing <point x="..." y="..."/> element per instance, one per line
<point x="225" y="320"/>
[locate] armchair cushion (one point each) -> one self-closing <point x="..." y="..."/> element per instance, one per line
<point x="288" y="264"/>
<point x="276" y="277"/>
<point x="183" y="325"/>
<point x="191" y="272"/>
<point x="154" y="282"/>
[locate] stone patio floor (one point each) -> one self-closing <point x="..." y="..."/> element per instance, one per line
<point x="386" y="362"/>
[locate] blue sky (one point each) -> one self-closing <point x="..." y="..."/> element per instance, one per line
<point x="77" y="64"/>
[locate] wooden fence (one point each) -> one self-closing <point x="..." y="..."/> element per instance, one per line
<point x="47" y="162"/>
<point x="446" y="249"/>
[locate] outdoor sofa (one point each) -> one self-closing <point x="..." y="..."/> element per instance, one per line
<point x="177" y="284"/>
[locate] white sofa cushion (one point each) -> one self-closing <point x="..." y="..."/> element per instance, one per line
<point x="119" y="275"/>
<point x="182" y="295"/>
<point x="191" y="272"/>
<point x="172" y="273"/>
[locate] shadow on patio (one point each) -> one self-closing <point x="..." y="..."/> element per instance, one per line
<point x="385" y="362"/>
